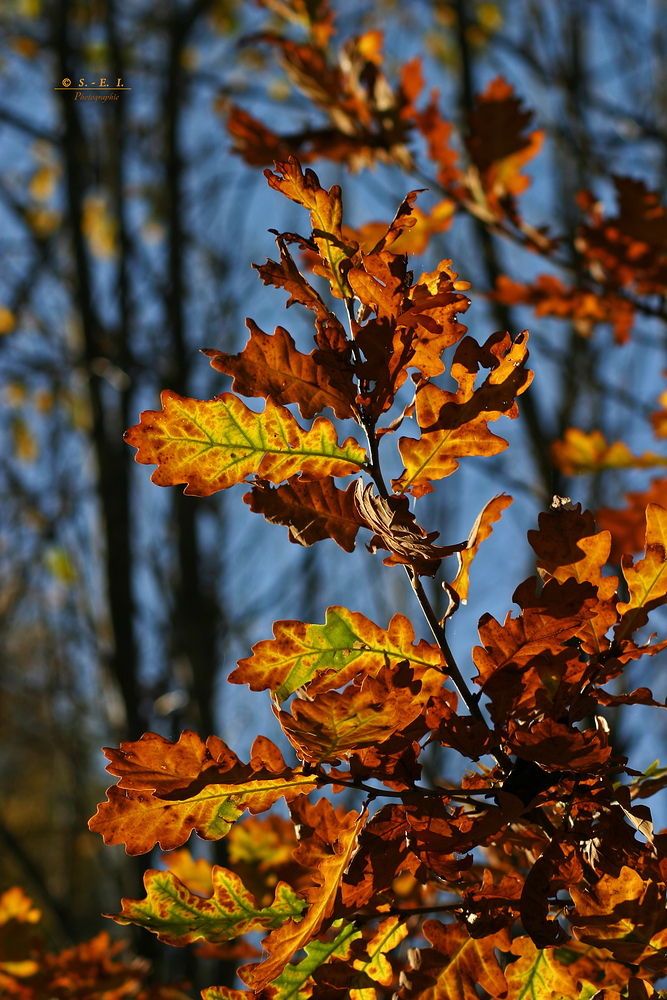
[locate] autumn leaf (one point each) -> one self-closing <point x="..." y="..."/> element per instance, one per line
<point x="328" y="656"/>
<point x="271" y="366"/>
<point x="311" y="510"/>
<point x="396" y="529"/>
<point x="456" y="964"/>
<point x="498" y="144"/>
<point x="625" y="915"/>
<point x="284" y="942"/>
<point x="288" y="985"/>
<point x="579" y="452"/>
<point x="214" y="444"/>
<point x="537" y="974"/>
<point x="454" y="425"/>
<point x="150" y="806"/>
<point x="560" y="747"/>
<point x="336" y="723"/>
<point x="480" y="531"/>
<point x="646" y="579"/>
<point x="178" y="916"/>
<point x="326" y="215"/>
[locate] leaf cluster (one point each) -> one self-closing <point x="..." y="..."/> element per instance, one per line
<point x="543" y="866"/>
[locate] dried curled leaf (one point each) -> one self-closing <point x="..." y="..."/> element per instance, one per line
<point x="214" y="444"/>
<point x="396" y="529"/>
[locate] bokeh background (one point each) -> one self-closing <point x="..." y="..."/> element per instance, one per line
<point x="127" y="230"/>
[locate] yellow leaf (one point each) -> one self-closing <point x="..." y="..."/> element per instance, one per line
<point x="99" y="226"/>
<point x="25" y="445"/>
<point x="7" y="320"/>
<point x="214" y="444"/>
<point x="43" y="183"/>
<point x="579" y="452"/>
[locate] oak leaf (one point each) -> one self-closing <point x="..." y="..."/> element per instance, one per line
<point x="626" y="915"/>
<point x="336" y="723"/>
<point x="455" y="965"/>
<point x="646" y="579"/>
<point x="214" y="444"/>
<point x="556" y="746"/>
<point x="454" y="425"/>
<point x="286" y="940"/>
<point x="537" y="974"/>
<point x="311" y="510"/>
<point x="149" y="806"/>
<point x="178" y="916"/>
<point x="270" y="365"/>
<point x="498" y="144"/>
<point x="579" y="452"/>
<point x="480" y="531"/>
<point x="328" y="656"/>
<point x="326" y="215"/>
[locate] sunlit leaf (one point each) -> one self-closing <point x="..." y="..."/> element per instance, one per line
<point x="212" y="445"/>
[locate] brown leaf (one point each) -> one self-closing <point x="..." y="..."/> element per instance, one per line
<point x="626" y="915"/>
<point x="397" y="530"/>
<point x="556" y="746"/>
<point x="311" y="511"/>
<point x="270" y="365"/>
<point x="336" y="723"/>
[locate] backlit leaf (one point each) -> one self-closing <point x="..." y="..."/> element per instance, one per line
<point x="284" y="942"/>
<point x="537" y="974"/>
<point x="214" y="444"/>
<point x="455" y="424"/>
<point x="646" y="579"/>
<point x="579" y="452"/>
<point x="271" y="366"/>
<point x="456" y="964"/>
<point x="311" y="510"/>
<point x="150" y="806"/>
<point x="480" y="530"/>
<point x="328" y="656"/>
<point x="179" y="917"/>
<point x="336" y="723"/>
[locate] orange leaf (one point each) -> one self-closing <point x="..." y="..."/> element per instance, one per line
<point x="326" y="214"/>
<point x="328" y="656"/>
<point x="480" y="531"/>
<point x="647" y="579"/>
<point x="214" y="444"/>
<point x="456" y="964"/>
<point x="163" y="795"/>
<point x="364" y="714"/>
<point x="579" y="452"/>
<point x="293" y="935"/>
<point x="455" y="424"/>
